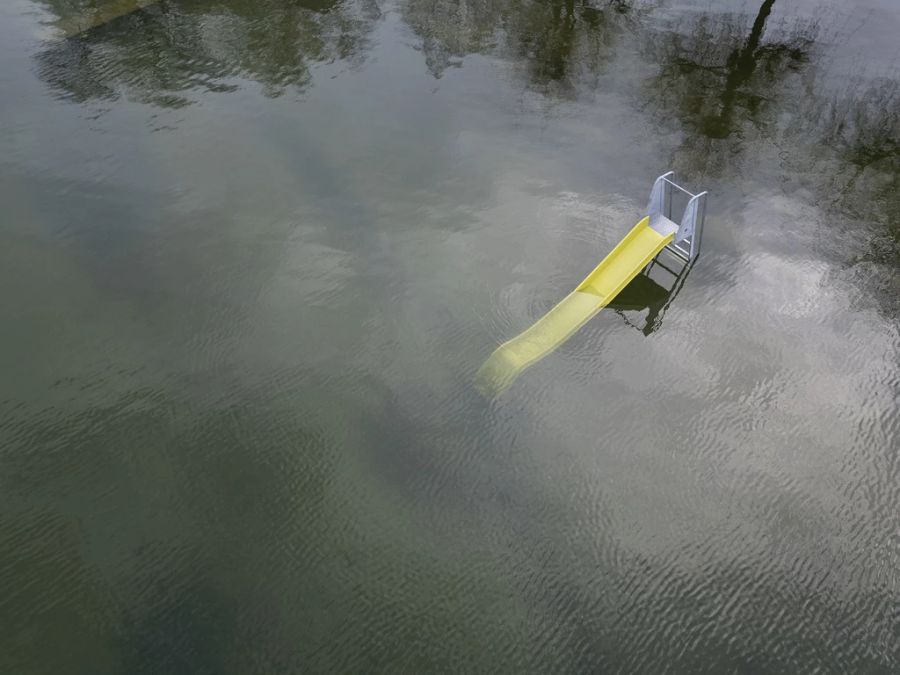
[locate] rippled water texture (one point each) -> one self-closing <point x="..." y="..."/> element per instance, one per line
<point x="253" y="254"/>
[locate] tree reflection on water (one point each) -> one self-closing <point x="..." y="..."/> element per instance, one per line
<point x="558" y="43"/>
<point x="159" y="53"/>
<point x="721" y="81"/>
<point x="726" y="85"/>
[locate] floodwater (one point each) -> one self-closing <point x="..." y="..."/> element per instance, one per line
<point x="254" y="252"/>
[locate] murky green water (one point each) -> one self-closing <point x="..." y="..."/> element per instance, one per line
<point x="253" y="253"/>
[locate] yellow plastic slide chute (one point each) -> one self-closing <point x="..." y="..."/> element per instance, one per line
<point x="618" y="268"/>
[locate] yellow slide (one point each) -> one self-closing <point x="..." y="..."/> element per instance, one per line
<point x="622" y="264"/>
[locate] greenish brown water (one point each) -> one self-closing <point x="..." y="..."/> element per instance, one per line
<point x="252" y="255"/>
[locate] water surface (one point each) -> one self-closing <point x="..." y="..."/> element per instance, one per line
<point x="254" y="252"/>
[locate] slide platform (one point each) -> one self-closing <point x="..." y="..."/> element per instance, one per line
<point x="624" y="262"/>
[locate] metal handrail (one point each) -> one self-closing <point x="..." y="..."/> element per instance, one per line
<point x="689" y="230"/>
